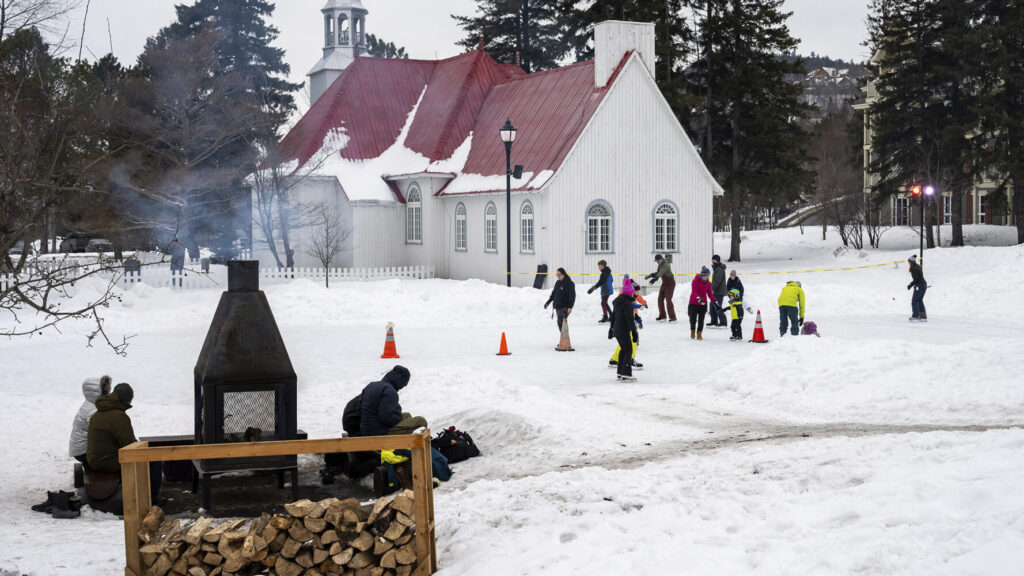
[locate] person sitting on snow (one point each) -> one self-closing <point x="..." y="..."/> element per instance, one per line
<point x="92" y="389"/>
<point x="110" y="429"/>
<point x="380" y="412"/>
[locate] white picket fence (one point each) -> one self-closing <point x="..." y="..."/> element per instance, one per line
<point x="193" y="277"/>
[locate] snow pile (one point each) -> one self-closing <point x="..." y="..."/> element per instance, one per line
<point x="862" y="451"/>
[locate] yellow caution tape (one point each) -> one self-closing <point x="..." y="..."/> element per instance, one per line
<point x="644" y="275"/>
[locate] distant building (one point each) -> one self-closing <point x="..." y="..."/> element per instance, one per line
<point x="830" y="90"/>
<point x="901" y="210"/>
<point x="409" y="152"/>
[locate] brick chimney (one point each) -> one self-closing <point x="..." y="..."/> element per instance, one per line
<point x="613" y="38"/>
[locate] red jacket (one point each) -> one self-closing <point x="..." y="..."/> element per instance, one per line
<point x="700" y="291"/>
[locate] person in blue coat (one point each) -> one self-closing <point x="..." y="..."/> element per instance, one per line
<point x="381" y="413"/>
<point x="605" y="284"/>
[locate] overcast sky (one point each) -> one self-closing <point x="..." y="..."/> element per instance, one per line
<point x="831" y="27"/>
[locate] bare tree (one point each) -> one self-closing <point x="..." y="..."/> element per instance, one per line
<point x="45" y="15"/>
<point x="329" y="237"/>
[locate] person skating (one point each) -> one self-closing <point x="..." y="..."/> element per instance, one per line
<point x="92" y="389"/>
<point x="719" y="288"/>
<point x="920" y="287"/>
<point x="700" y="296"/>
<point x="666" y="310"/>
<point x="623" y="329"/>
<point x="734" y="283"/>
<point x="792" y="296"/>
<point x="736" y="309"/>
<point x="605" y="284"/>
<point x="637" y="305"/>
<point x="563" y="296"/>
<point x="380" y="412"/>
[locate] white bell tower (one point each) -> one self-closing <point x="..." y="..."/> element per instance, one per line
<point x="344" y="41"/>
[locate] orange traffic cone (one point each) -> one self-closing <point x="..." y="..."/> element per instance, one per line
<point x="390" y="351"/>
<point x="503" y="350"/>
<point x="563" y="343"/>
<point x="759" y="331"/>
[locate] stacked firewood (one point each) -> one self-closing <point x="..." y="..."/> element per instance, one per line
<point x="327" y="538"/>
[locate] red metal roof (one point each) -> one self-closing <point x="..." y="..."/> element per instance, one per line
<point x="373" y="97"/>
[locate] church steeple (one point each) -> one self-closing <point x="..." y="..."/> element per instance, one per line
<point x="344" y="41"/>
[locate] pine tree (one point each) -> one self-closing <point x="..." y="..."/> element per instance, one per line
<point x="381" y="48"/>
<point x="535" y="32"/>
<point x="754" y="143"/>
<point x="672" y="44"/>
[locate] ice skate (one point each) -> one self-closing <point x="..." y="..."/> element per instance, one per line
<point x="637" y="365"/>
<point x="613" y="363"/>
<point x="624" y="378"/>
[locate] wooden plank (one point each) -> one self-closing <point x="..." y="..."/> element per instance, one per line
<point x="422" y="477"/>
<point x="132" y="453"/>
<point x="429" y="489"/>
<point x="136" y="501"/>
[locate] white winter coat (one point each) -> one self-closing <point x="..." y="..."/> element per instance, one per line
<point x="80" y="428"/>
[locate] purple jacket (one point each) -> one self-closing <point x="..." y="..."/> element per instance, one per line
<point x="700" y="291"/>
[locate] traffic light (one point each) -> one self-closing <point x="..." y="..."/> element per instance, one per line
<point x="915" y="191"/>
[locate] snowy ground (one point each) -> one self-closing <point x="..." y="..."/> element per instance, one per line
<point x="881" y="448"/>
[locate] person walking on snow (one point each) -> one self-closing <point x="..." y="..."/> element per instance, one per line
<point x="637" y="305"/>
<point x="700" y="296"/>
<point x="920" y="287"/>
<point x="563" y="295"/>
<point x="792" y="296"/>
<point x="668" y="288"/>
<point x="736" y="307"/>
<point x="623" y="329"/>
<point x="605" y="284"/>
<point x="719" y="288"/>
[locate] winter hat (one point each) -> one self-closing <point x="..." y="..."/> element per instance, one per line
<point x="627" y="286"/>
<point x="732" y="273"/>
<point x="716" y="258"/>
<point x="125" y="394"/>
<point x="657" y="258"/>
<point x="704" y="271"/>
<point x="913" y="258"/>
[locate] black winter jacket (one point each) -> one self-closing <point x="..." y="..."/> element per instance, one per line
<point x="563" y="294"/>
<point x="622" y="324"/>
<point x="379" y="409"/>
<point x="352" y="415"/>
<point x="734" y="283"/>
<point x="916" y="276"/>
<point x="718" y="279"/>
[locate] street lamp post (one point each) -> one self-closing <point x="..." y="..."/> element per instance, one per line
<point x="508" y="136"/>
<point x="929" y="191"/>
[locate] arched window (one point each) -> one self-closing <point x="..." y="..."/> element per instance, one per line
<point x="599" y="227"/>
<point x="328" y="30"/>
<point x="414" y="216"/>
<point x="460" y="227"/>
<point x="526" y="228"/>
<point x="343" y="26"/>
<point x="666" y="226"/>
<point x="491" y="228"/>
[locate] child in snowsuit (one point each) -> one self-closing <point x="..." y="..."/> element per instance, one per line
<point x="640" y="303"/>
<point x="736" y="306"/>
<point x="622" y="328"/>
<point x="605" y="284"/>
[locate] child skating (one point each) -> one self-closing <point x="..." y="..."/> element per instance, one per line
<point x="736" y="307"/>
<point x="623" y="329"/>
<point x="640" y="303"/>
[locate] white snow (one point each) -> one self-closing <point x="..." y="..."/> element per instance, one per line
<point x="541" y="179"/>
<point x="864" y="451"/>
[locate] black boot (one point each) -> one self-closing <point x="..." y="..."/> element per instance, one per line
<point x="47" y="506"/>
<point x="66" y="505"/>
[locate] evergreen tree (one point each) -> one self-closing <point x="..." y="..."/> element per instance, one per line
<point x="929" y="82"/>
<point x="672" y="40"/>
<point x="537" y="32"/>
<point x="382" y="49"/>
<point x="754" y="143"/>
<point x="1003" y="20"/>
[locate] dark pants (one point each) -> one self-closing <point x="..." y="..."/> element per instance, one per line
<point x="696" y="313"/>
<point x="561" y="314"/>
<point x="717" y="312"/>
<point x="917" y="302"/>
<point x="625" y="355"/>
<point x="737" y="328"/>
<point x="792" y="314"/>
<point x="668" y="288"/>
<point x="606" y="312"/>
<point x="82" y="459"/>
<point x="156" y="478"/>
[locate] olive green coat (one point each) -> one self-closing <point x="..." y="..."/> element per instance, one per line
<point x="110" y="429"/>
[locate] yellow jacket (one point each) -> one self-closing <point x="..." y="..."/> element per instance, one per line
<point x="793" y="294"/>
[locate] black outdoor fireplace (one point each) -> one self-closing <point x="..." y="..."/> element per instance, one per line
<point x="245" y="384"/>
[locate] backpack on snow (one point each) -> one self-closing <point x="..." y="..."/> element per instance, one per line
<point x="455" y="445"/>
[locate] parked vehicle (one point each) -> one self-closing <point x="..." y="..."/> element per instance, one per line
<point x="99" y="245"/>
<point x="75" y="242"/>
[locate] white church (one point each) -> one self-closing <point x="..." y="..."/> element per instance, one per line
<point x="409" y="153"/>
